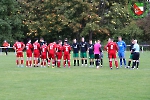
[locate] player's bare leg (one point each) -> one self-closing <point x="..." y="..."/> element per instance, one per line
<point x="27" y="62"/>
<point x="36" y="62"/>
<point x="64" y="63"/>
<point x="68" y="63"/>
<point x="30" y="61"/>
<point x="58" y="63"/>
<point x="17" y="61"/>
<point x="49" y="60"/>
<point x="116" y="63"/>
<point x="110" y="63"/>
<point x="21" y="58"/>
<point x="44" y="63"/>
<point x="53" y="62"/>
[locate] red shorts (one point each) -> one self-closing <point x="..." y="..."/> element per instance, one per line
<point x="51" y="55"/>
<point x="112" y="55"/>
<point x="36" y="54"/>
<point x="19" y="54"/>
<point x="29" y="54"/>
<point x="44" y="56"/>
<point x="66" y="56"/>
<point x="59" y="55"/>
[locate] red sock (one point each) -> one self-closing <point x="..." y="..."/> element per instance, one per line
<point x="69" y="63"/>
<point x="21" y="61"/>
<point x="44" y="63"/>
<point x="17" y="62"/>
<point x="64" y="63"/>
<point x="53" y="63"/>
<point x="30" y="62"/>
<point x="110" y="64"/>
<point x="58" y="63"/>
<point x="27" y="63"/>
<point x="116" y="63"/>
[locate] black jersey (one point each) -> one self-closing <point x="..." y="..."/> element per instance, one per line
<point x="91" y="48"/>
<point x="83" y="46"/>
<point x="75" y="47"/>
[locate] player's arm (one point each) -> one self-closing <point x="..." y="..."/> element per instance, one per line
<point x="23" y="46"/>
<point x="117" y="48"/>
<point x="100" y="49"/>
<point x="14" y="46"/>
<point x="106" y="47"/>
<point x="124" y="44"/>
<point x="86" y="46"/>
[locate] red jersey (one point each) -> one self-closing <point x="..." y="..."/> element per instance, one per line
<point x="59" y="48"/>
<point x="36" y="47"/>
<point x="51" y="48"/>
<point x="19" y="46"/>
<point x="66" y="49"/>
<point x="112" y="47"/>
<point x="44" y="49"/>
<point x="29" y="47"/>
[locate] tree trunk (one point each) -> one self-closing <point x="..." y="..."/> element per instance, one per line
<point x="90" y="35"/>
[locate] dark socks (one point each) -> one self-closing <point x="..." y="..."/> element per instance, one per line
<point x="86" y="61"/>
<point x="74" y="62"/>
<point x="78" y="62"/>
<point x="82" y="61"/>
<point x="129" y="63"/>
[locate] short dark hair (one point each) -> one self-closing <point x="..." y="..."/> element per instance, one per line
<point x="36" y="39"/>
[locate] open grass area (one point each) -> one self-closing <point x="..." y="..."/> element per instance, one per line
<point x="76" y="83"/>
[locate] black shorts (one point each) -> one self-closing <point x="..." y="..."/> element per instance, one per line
<point x="136" y="56"/>
<point x="97" y="56"/>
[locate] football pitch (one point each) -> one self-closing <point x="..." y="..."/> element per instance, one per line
<point x="76" y="83"/>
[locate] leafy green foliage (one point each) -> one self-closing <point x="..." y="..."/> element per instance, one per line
<point x="10" y="21"/>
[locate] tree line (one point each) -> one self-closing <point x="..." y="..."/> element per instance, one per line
<point x="59" y="19"/>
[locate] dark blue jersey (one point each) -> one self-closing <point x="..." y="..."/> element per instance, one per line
<point x="75" y="47"/>
<point x="91" y="48"/>
<point x="83" y="46"/>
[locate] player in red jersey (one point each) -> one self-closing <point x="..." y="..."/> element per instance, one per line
<point x="66" y="56"/>
<point x="29" y="54"/>
<point x="36" y="51"/>
<point x="55" y="57"/>
<point x="43" y="55"/>
<point x="51" y="53"/>
<point x="18" y="47"/>
<point x="112" y="49"/>
<point x="59" y="50"/>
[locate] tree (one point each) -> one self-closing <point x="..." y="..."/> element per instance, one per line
<point x="10" y="21"/>
<point x="144" y="24"/>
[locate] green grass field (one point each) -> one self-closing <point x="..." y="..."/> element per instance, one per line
<point x="76" y="83"/>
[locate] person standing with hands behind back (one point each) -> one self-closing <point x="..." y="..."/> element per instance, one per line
<point x="6" y="45"/>
<point x="83" y="51"/>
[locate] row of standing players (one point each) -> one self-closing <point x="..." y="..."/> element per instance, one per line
<point x="49" y="53"/>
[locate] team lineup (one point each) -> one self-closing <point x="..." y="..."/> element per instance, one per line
<point x="46" y="55"/>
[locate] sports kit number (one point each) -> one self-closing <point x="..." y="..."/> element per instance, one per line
<point x="35" y="46"/>
<point x="66" y="48"/>
<point x="51" y="47"/>
<point x="111" y="46"/>
<point x="19" y="45"/>
<point x="43" y="49"/>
